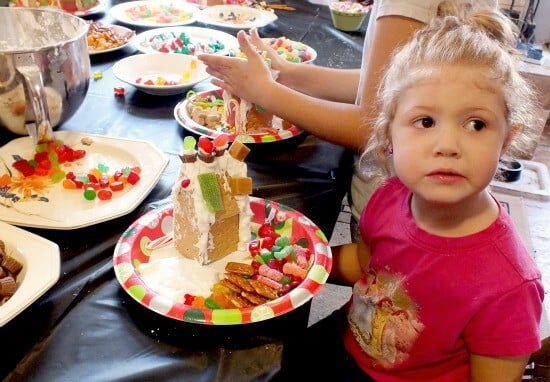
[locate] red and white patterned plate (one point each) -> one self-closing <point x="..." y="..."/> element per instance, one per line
<point x="131" y="251"/>
<point x="273" y="134"/>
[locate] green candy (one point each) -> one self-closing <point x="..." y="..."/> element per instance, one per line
<point x="189" y="143"/>
<point x="89" y="194"/>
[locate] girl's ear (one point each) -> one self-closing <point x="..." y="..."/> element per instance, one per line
<point x="515" y="130"/>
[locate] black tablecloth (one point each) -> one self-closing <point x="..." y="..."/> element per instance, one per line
<point x="86" y="327"/>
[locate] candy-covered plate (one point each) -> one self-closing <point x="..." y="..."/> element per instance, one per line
<point x="236" y="16"/>
<point x="278" y="131"/>
<point x="292" y="51"/>
<point x="185" y="40"/>
<point x="69" y="7"/>
<point x="158" y="13"/>
<point x="119" y="37"/>
<point x="131" y="253"/>
<point x="40" y="268"/>
<point x="47" y="199"/>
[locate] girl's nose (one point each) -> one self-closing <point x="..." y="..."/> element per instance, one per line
<point x="446" y="141"/>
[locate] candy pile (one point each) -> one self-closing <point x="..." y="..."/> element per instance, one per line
<point x="159" y="80"/>
<point x="349" y="7"/>
<point x="171" y="42"/>
<point x="207" y="111"/>
<point x="47" y="162"/>
<point x="99" y="183"/>
<point x="9" y="269"/>
<point x="277" y="267"/>
<point x="293" y="51"/>
<point x="103" y="37"/>
<point x="157" y="13"/>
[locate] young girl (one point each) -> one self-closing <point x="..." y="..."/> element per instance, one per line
<point x="444" y="288"/>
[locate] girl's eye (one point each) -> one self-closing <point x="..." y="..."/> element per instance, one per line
<point x="475" y="125"/>
<point x="424" y="123"/>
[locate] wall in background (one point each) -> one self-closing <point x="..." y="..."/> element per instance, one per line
<point x="542" y="28"/>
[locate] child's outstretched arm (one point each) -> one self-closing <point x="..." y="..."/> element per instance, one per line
<point x="349" y="262"/>
<point x="497" y="369"/>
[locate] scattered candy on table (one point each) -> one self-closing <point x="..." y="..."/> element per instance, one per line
<point x="98" y="75"/>
<point x="119" y="92"/>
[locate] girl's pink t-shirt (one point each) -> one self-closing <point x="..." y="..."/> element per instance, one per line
<point x="428" y="301"/>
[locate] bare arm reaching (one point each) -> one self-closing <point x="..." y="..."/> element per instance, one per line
<point x="334" y="117"/>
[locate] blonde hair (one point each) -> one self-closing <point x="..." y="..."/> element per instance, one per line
<point x="458" y="35"/>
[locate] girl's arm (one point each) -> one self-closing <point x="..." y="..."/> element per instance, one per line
<point x="497" y="369"/>
<point x="349" y="262"/>
<point x="342" y="122"/>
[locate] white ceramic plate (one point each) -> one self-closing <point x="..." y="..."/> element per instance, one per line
<point x="201" y="40"/>
<point x="119" y="31"/>
<point x="41" y="266"/>
<point x="236" y="17"/>
<point x="49" y="205"/>
<point x="100" y="6"/>
<point x="186" y="71"/>
<point x="159" y="13"/>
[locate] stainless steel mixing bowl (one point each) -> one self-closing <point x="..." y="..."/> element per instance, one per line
<point x="44" y="69"/>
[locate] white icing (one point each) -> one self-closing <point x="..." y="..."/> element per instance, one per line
<point x="203" y="217"/>
<point x="173" y="276"/>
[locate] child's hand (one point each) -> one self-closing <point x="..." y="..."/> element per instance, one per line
<point x="278" y="63"/>
<point x="244" y="78"/>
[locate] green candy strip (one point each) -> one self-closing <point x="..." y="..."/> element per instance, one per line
<point x="211" y="191"/>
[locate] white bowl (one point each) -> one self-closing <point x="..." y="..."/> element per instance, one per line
<point x="136" y="70"/>
<point x="41" y="267"/>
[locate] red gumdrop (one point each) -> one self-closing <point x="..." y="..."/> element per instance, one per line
<point x="132" y="178"/>
<point x="220" y="140"/>
<point x="205" y="144"/>
<point x="104" y="194"/>
<point x="116" y="185"/>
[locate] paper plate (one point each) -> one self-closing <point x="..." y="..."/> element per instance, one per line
<point x="271" y="134"/>
<point x="100" y="6"/>
<point x="121" y="34"/>
<point x="236" y="17"/>
<point x="39" y="201"/>
<point x="159" y="13"/>
<point x="197" y="41"/>
<point x="131" y="251"/>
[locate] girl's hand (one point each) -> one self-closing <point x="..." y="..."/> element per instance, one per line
<point x="246" y="78"/>
<point x="278" y="62"/>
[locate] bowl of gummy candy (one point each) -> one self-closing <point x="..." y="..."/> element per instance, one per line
<point x="159" y="73"/>
<point x="348" y="16"/>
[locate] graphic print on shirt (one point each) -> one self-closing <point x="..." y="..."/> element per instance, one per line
<point x="383" y="318"/>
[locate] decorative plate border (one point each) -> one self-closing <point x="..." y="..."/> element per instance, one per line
<point x="274" y="135"/>
<point x="131" y="251"/>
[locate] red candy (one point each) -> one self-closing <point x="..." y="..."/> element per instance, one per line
<point x="185" y="183"/>
<point x="119" y="92"/>
<point x="104" y="194"/>
<point x="267" y="230"/>
<point x="220" y="140"/>
<point x="205" y="145"/>
<point x="132" y="178"/>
